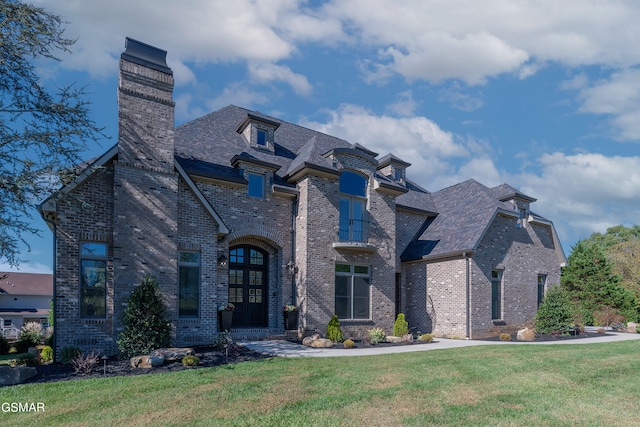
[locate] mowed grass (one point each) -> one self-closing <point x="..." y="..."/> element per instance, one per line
<point x="508" y="385"/>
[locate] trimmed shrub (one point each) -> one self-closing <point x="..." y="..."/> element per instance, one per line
<point x="554" y="314"/>
<point x="145" y="324"/>
<point x="26" y="359"/>
<point x="334" y="333"/>
<point x="377" y="335"/>
<point x="67" y="354"/>
<point x="400" y="326"/>
<point x="190" y="361"/>
<point x="46" y="354"/>
<point x="505" y="337"/>
<point x="349" y="343"/>
<point x="426" y="338"/>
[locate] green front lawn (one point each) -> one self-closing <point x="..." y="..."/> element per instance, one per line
<point x="593" y="384"/>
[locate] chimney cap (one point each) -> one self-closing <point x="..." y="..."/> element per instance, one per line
<point x="146" y="55"/>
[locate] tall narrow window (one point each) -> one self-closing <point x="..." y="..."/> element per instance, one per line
<point x="352" y="291"/>
<point x="496" y="294"/>
<point x="353" y="202"/>
<point x="93" y="280"/>
<point x="189" y="284"/>
<point x="542" y="281"/>
<point x="256" y="185"/>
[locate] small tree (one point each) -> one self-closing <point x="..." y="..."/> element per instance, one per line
<point x="334" y="333"/>
<point x="554" y="313"/>
<point x="145" y="325"/>
<point x="400" y="326"/>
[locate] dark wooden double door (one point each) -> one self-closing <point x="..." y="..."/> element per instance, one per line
<point x="248" y="291"/>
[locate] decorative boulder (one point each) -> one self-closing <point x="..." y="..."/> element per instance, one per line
<point x="16" y="375"/>
<point x="526" y="334"/>
<point x="172" y="354"/>
<point x="393" y="339"/>
<point x="322" y="343"/>
<point x="146" y="362"/>
<point x="632" y="327"/>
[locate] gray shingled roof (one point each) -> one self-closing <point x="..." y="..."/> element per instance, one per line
<point x="455" y="217"/>
<point x="212" y="140"/>
<point x="465" y="210"/>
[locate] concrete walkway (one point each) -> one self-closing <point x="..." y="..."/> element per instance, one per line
<point x="283" y="348"/>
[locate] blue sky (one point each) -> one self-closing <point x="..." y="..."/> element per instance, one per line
<point x="543" y="95"/>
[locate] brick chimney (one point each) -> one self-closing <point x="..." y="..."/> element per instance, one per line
<point x="145" y="222"/>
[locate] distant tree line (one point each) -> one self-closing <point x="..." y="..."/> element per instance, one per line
<point x="602" y="279"/>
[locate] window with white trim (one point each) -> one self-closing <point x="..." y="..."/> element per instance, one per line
<point x="352" y="292"/>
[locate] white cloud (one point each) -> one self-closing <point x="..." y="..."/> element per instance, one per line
<point x="618" y="97"/>
<point x="27" y="267"/>
<point x="438" y="158"/>
<point x="585" y="192"/>
<point x="404" y="106"/>
<point x="436" y="56"/>
<point x="237" y="94"/>
<point x="265" y="73"/>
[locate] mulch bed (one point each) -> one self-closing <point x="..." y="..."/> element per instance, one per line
<point x="554" y="337"/>
<point x="209" y="356"/>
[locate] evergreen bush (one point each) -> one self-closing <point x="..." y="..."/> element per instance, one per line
<point x="334" y="333"/>
<point x="400" y="326"/>
<point x="67" y="354"/>
<point x="46" y="355"/>
<point x="554" y="314"/>
<point x="145" y="324"/>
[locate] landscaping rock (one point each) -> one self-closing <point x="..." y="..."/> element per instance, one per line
<point x="526" y="334"/>
<point x="172" y="354"/>
<point x="16" y="375"/>
<point x="146" y="362"/>
<point x="632" y="327"/>
<point x="394" y="339"/>
<point x="321" y="343"/>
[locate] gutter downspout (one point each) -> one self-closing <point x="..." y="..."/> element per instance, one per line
<point x="54" y="339"/>
<point x="294" y="213"/>
<point x="468" y="295"/>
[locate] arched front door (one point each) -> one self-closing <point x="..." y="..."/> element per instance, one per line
<point x="248" y="274"/>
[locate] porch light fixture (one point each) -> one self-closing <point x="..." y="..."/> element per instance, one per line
<point x="291" y="268"/>
<point x="222" y="261"/>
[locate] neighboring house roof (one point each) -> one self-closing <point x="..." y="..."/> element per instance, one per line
<point x="465" y="210"/>
<point x="26" y="284"/>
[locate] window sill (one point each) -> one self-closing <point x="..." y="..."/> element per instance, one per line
<point x="354" y="246"/>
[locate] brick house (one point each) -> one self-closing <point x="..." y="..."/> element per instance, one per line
<point x="244" y="208"/>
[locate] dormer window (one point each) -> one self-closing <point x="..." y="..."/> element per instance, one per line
<point x="259" y="132"/>
<point x="261" y="138"/>
<point x="393" y="168"/>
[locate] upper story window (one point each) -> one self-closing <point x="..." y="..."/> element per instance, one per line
<point x="353" y="202"/>
<point x="256" y="185"/>
<point x="93" y="280"/>
<point x="261" y="138"/>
